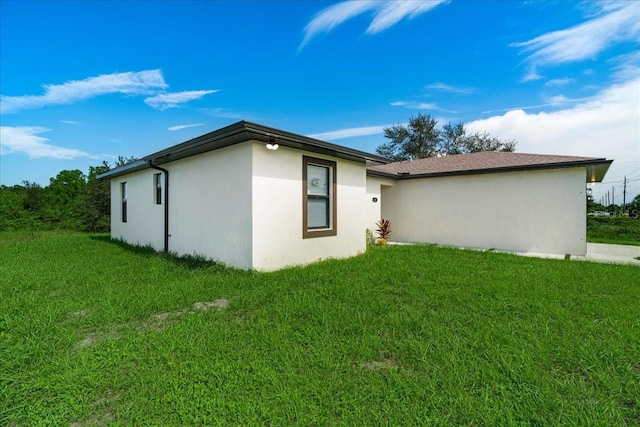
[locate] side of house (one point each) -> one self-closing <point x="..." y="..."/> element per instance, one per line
<point x="540" y="211"/>
<point x="257" y="197"/>
<point x="231" y="198"/>
<point x="507" y="201"/>
<point x="289" y="230"/>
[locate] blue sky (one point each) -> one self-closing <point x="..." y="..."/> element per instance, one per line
<point x="86" y="81"/>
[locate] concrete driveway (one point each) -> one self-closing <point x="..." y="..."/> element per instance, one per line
<point x="621" y="254"/>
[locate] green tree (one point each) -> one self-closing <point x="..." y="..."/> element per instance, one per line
<point x="422" y="138"/>
<point x="32" y="196"/>
<point x="72" y="200"/>
<point x="94" y="208"/>
<point x="419" y="139"/>
<point x="62" y="198"/>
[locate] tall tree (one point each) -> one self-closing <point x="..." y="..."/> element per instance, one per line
<point x="422" y="138"/>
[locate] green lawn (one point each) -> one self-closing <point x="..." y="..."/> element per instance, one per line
<point x="93" y="332"/>
<point x="618" y="230"/>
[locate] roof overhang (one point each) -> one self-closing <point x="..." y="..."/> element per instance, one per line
<point x="596" y="169"/>
<point x="242" y="132"/>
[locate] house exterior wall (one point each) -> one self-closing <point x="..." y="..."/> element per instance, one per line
<point x="210" y="205"/>
<point x="373" y="210"/>
<point x="277" y="210"/>
<point x="540" y="211"/>
<point x="145" y="219"/>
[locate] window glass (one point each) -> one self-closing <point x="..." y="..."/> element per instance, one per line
<point x="158" y="188"/>
<point x="318" y="213"/>
<point x="123" y="191"/>
<point x="317" y="180"/>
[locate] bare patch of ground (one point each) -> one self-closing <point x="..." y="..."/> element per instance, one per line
<point x="154" y="323"/>
<point x="386" y="362"/>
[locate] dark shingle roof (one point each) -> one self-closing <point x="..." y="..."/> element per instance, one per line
<point x="487" y="162"/>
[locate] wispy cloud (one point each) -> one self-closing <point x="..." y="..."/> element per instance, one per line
<point x="70" y="122"/>
<point x="620" y="22"/>
<point x="224" y="113"/>
<point x="627" y="66"/>
<point x="558" y="82"/>
<point x="178" y="127"/>
<point x="531" y="75"/>
<point x="349" y="133"/>
<point x="415" y="105"/>
<point x="456" y="90"/>
<point x="385" y="15"/>
<point x="131" y="83"/>
<point x="164" y="101"/>
<point x="552" y="101"/>
<point x="26" y="140"/>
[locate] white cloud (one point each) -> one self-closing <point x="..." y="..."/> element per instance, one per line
<point x="163" y="101"/>
<point x="178" y="127"/>
<point x="621" y="22"/>
<point x="415" y="105"/>
<point x="457" y="90"/>
<point x="605" y="125"/>
<point x="558" y="82"/>
<point x="130" y="83"/>
<point x="349" y="133"/>
<point x="531" y="75"/>
<point x="394" y="11"/>
<point x="25" y="139"/>
<point x="627" y="67"/>
<point x="386" y="14"/>
<point x="224" y="113"/>
<point x="70" y="122"/>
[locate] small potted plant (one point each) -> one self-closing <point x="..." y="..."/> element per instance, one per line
<point x="383" y="230"/>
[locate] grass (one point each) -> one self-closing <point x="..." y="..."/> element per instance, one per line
<point x="94" y="332"/>
<point x="616" y="230"/>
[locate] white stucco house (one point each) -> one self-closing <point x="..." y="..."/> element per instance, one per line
<point x="260" y="198"/>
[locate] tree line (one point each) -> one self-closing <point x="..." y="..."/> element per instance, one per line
<point x="72" y="200"/>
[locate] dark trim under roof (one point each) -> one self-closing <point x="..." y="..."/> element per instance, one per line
<point x="241" y="132"/>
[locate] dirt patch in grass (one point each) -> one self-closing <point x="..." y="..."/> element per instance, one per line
<point x="154" y="323"/>
<point x="386" y="362"/>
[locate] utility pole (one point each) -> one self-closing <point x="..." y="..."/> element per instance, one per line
<point x="613" y="195"/>
<point x="624" y="194"/>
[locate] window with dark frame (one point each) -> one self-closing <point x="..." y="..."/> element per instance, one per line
<point x="157" y="180"/>
<point x="123" y="194"/>
<point x="319" y="197"/>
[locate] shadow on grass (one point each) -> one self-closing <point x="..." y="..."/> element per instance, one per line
<point x="191" y="262"/>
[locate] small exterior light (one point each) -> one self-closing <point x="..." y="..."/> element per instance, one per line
<point x="272" y="145"/>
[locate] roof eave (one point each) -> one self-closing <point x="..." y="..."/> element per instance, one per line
<point x="134" y="166"/>
<point x="596" y="170"/>
<point x="246" y="131"/>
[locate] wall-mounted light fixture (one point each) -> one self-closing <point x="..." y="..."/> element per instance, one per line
<point x="272" y="144"/>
